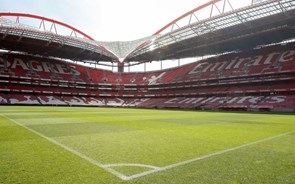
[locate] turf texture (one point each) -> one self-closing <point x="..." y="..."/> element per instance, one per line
<point x="114" y="145"/>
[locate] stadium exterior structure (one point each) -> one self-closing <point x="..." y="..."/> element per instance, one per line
<point x="252" y="69"/>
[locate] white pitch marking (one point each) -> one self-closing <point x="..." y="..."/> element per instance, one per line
<point x="155" y="169"/>
<point x="131" y="165"/>
<point x="81" y="155"/>
<point x="204" y="157"/>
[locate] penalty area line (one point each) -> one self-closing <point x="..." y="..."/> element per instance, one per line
<point x="154" y="168"/>
<point x="75" y="152"/>
<point x="205" y="156"/>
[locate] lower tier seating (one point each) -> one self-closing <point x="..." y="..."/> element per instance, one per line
<point x="249" y="102"/>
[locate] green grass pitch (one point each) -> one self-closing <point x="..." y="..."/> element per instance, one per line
<point x="112" y="145"/>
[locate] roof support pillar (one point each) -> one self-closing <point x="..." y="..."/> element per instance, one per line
<point x="120" y="67"/>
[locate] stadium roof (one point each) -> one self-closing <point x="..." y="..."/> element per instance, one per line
<point x="123" y="48"/>
<point x="259" y="23"/>
<point x="223" y="30"/>
<point x="20" y="37"/>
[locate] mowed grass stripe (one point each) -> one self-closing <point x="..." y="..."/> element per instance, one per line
<point x="85" y="157"/>
<point x="152" y="137"/>
<point x="178" y="141"/>
<point x="206" y="156"/>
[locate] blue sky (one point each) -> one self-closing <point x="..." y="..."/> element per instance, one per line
<point x="107" y="20"/>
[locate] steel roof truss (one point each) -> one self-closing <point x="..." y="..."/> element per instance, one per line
<point x="191" y="16"/>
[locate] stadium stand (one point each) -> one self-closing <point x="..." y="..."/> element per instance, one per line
<point x="50" y="100"/>
<point x="22" y="99"/>
<point x="256" y="79"/>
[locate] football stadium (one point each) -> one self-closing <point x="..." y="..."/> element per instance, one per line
<point x="208" y="98"/>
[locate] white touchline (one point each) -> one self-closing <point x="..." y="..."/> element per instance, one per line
<point x="154" y="168"/>
<point x="81" y="155"/>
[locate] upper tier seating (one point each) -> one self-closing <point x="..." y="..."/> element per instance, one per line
<point x="268" y="60"/>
